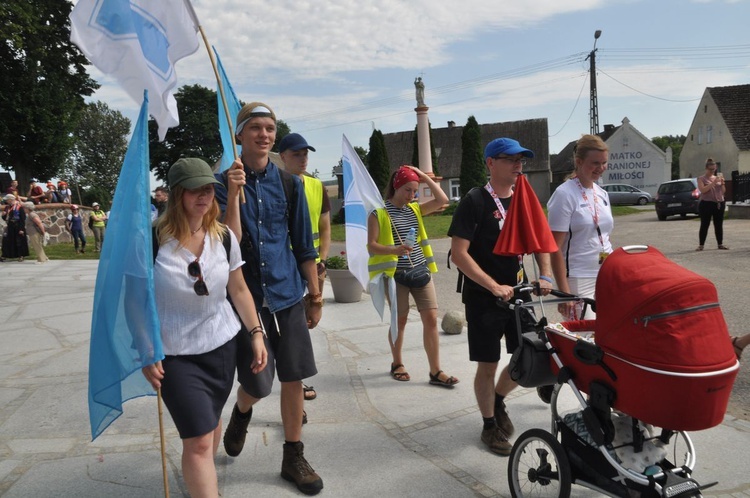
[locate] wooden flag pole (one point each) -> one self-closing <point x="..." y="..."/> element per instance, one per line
<point x="218" y="81"/>
<point x="163" y="444"/>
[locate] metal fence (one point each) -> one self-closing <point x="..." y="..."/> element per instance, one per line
<point x="740" y="187"/>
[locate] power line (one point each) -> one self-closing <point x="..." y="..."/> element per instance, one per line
<point x="644" y="93"/>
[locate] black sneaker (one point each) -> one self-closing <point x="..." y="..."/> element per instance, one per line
<point x="234" y="436"/>
<point x="503" y="420"/>
<point x="545" y="393"/>
<point x="496" y="441"/>
<point x="294" y="468"/>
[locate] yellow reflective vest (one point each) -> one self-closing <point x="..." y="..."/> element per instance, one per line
<point x="314" y="194"/>
<point x="386" y="263"/>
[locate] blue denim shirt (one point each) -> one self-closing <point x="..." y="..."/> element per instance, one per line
<point x="279" y="245"/>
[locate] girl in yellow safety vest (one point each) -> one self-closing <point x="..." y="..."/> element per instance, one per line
<point x="387" y="232"/>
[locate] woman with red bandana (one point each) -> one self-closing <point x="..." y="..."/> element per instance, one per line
<point x="387" y="232"/>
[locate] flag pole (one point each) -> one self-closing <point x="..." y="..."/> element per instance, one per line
<point x="218" y="81"/>
<point x="163" y="444"/>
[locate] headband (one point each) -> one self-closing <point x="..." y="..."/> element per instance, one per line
<point x="404" y="175"/>
<point x="257" y="112"/>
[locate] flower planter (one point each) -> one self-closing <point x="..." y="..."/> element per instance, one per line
<point x="346" y="288"/>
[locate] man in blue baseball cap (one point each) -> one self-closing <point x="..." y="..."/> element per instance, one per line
<point x="485" y="277"/>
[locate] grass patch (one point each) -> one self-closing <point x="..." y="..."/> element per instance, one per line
<point x="437" y="225"/>
<point x="64" y="251"/>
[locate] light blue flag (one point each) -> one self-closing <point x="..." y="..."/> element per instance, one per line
<point x="227" y="136"/>
<point x="125" y="333"/>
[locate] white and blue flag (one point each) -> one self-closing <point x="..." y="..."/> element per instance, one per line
<point x="138" y="43"/>
<point x="362" y="197"/>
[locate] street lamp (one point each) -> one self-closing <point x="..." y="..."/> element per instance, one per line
<point x="594" y="105"/>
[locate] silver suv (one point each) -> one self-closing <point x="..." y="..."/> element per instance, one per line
<point x="677" y="197"/>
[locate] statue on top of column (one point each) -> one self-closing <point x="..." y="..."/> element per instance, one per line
<point x="420" y="91"/>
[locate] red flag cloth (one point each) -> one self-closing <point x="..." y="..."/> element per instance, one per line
<point x="525" y="230"/>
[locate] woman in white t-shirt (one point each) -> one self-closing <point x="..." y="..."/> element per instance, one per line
<point x="580" y="217"/>
<point x="197" y="264"/>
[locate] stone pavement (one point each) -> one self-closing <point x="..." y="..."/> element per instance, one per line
<point x="368" y="435"/>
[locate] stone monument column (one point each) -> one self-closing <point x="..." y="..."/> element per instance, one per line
<point x="423" y="141"/>
<point x="423" y="130"/>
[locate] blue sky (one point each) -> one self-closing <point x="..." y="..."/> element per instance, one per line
<point x="333" y="67"/>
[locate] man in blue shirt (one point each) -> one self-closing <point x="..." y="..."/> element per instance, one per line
<point x="277" y="246"/>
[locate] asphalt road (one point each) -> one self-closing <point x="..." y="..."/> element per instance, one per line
<point x="677" y="238"/>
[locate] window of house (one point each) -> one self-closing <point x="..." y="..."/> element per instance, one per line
<point x="700" y="135"/>
<point x="709" y="134"/>
<point x="454" y="187"/>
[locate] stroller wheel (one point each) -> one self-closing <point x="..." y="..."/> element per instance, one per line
<point x="538" y="466"/>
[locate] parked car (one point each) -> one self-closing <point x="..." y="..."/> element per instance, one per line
<point x="620" y="193"/>
<point x="677" y="197"/>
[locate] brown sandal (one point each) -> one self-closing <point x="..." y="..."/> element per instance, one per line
<point x="449" y="382"/>
<point x="400" y="376"/>
<point x="309" y="392"/>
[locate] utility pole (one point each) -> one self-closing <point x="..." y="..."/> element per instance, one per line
<point x="594" y="106"/>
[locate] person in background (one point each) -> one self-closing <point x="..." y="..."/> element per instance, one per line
<point x="387" y="230"/>
<point x="476" y="226"/>
<point x="277" y="247"/>
<point x="580" y="217"/>
<point x="99" y="226"/>
<point x="14" y="244"/>
<point x="161" y="198"/>
<point x="63" y="192"/>
<point x="36" y="194"/>
<point x="50" y="196"/>
<point x="13" y="189"/>
<point x="712" y="205"/>
<point x="293" y="150"/>
<point x="193" y="273"/>
<point x="74" y="224"/>
<point x="35" y="229"/>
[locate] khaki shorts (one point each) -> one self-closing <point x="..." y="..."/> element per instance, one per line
<point x="424" y="297"/>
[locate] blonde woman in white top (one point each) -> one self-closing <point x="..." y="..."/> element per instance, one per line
<point x="580" y="217"/>
<point x="193" y="273"/>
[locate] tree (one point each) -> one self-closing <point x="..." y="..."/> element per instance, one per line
<point x="43" y="83"/>
<point x="282" y="130"/>
<point x="676" y="143"/>
<point x="415" y="153"/>
<point x="361" y="152"/>
<point x="473" y="169"/>
<point x="101" y="140"/>
<point x="377" y="160"/>
<point x="197" y="135"/>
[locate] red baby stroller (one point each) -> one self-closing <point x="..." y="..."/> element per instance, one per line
<point x="661" y="358"/>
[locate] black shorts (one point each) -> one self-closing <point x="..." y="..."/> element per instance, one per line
<point x="290" y="353"/>
<point x="487" y="323"/>
<point x="196" y="387"/>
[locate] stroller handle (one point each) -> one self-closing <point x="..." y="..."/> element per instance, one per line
<point x="526" y="288"/>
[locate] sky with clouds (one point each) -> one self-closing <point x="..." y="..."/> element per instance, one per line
<point x="334" y="67"/>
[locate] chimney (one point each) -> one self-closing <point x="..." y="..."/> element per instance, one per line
<point x="451" y="124"/>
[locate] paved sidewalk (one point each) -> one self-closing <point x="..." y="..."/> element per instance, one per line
<point x="368" y="435"/>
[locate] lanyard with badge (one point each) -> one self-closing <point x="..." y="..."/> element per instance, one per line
<point x="595" y="215"/>
<point x="500" y="215"/>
